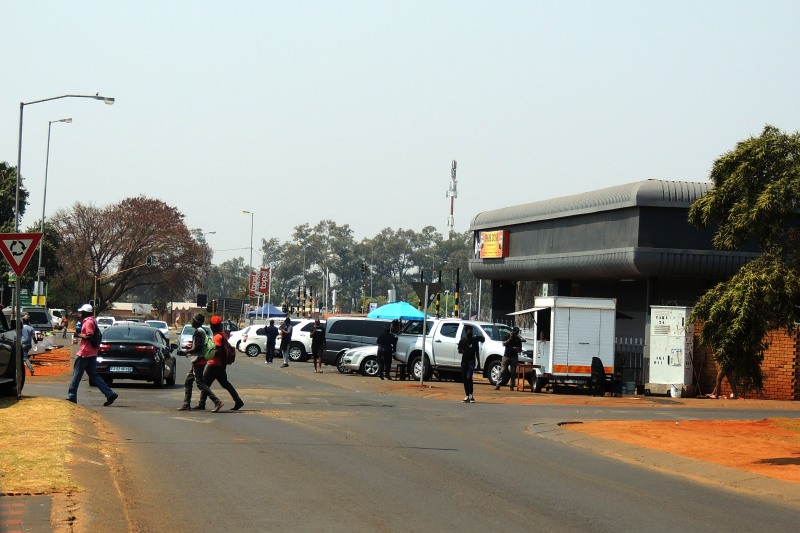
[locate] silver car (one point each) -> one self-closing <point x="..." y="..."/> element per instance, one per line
<point x="363" y="360"/>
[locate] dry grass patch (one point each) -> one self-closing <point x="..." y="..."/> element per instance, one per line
<point x="35" y="435"/>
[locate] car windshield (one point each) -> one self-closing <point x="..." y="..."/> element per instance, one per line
<point x="156" y="324"/>
<point x="497" y="332"/>
<point x="104" y="321"/>
<point x="123" y="334"/>
<point x="415" y="327"/>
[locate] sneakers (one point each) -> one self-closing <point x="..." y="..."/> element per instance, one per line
<point x="199" y="407"/>
<point x="184" y="407"/>
<point x="111" y="399"/>
<point x="471" y="398"/>
<point x="217" y="406"/>
<point x="511" y="387"/>
<point x="238" y="405"/>
<point x="497" y="387"/>
<point x="284" y="365"/>
<point x="466" y="399"/>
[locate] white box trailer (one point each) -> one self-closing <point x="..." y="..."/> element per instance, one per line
<point x="578" y="329"/>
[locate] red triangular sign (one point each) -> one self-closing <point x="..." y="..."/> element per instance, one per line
<point x="18" y="249"/>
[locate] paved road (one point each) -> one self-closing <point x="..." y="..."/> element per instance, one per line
<point x="335" y="453"/>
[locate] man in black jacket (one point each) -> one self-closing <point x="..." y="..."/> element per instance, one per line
<point x="387" y="345"/>
<point x="469" y="347"/>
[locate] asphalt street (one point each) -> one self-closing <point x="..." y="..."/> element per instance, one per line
<point x="332" y="452"/>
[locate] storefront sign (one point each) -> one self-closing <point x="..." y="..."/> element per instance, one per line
<point x="492" y="244"/>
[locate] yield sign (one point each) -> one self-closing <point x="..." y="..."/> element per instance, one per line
<point x="18" y="249"/>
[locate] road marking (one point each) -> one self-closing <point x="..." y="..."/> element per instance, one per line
<point x="200" y="420"/>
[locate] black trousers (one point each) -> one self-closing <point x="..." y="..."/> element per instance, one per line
<point x="217" y="373"/>
<point x="385" y="362"/>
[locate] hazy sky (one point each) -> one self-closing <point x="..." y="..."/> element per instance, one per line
<point x="353" y="110"/>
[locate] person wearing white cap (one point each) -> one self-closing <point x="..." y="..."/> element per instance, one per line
<point x="86" y="358"/>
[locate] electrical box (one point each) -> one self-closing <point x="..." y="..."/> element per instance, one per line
<point x="671" y="345"/>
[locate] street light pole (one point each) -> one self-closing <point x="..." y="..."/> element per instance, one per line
<point x="18" y="347"/>
<point x="469" y="317"/>
<point x="44" y="201"/>
<point x="250" y="276"/>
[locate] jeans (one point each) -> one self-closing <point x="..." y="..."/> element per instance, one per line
<point x="196" y="375"/>
<point x="285" y="351"/>
<point x="466" y="374"/>
<point x="88" y="365"/>
<point x="26" y="358"/>
<point x="508" y="369"/>
<point x="218" y="373"/>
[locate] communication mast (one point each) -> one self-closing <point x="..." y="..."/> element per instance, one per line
<point x="452" y="193"/>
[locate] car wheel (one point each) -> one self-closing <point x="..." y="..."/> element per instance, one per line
<point x="370" y="367"/>
<point x="252" y="350"/>
<point x="340" y="366"/>
<point x="159" y="381"/>
<point x="171" y="378"/>
<point x="239" y="346"/>
<point x="493" y="372"/>
<point x="416" y="369"/>
<point x="297" y="352"/>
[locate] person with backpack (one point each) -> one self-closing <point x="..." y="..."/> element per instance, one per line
<point x="27" y="336"/>
<point x="86" y="358"/>
<point x="197" y="356"/>
<point x="224" y="355"/>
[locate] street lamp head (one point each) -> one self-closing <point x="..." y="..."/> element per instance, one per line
<point x="246" y="212"/>
<point x="105" y="99"/>
<point x="65" y="120"/>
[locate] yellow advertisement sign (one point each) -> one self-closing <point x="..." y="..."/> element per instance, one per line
<point x="493" y="244"/>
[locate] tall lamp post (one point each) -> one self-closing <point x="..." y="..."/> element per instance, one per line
<point x="469" y="317"/>
<point x="250" y="276"/>
<point x="22" y="105"/>
<point x="44" y="201"/>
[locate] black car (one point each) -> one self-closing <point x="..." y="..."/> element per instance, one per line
<point x="8" y="366"/>
<point x="136" y="351"/>
<point x="343" y="333"/>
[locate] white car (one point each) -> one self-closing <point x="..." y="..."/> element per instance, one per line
<point x="160" y="325"/>
<point x="363" y="360"/>
<point x="254" y="341"/>
<point x="105" y="322"/>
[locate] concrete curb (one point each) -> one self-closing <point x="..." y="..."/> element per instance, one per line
<point x="694" y="469"/>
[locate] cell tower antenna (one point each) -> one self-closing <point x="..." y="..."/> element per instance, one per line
<point x="452" y="193"/>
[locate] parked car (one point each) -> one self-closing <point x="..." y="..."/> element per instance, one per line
<point x="343" y="333"/>
<point x="136" y="351"/>
<point x="8" y="363"/>
<point x="185" y="338"/>
<point x="40" y="319"/>
<point x="363" y="360"/>
<point x="160" y="325"/>
<point x="105" y="322"/>
<point x="254" y="340"/>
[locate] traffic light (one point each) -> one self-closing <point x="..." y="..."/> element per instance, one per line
<point x="149" y="260"/>
<point x="212" y="306"/>
<point x="363" y="268"/>
<point x="202" y="300"/>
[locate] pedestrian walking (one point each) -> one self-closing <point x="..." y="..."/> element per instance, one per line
<point x="27" y="336"/>
<point x="64" y="325"/>
<point x="272" y="334"/>
<point x="508" y="365"/>
<point x="86" y="357"/>
<point x="196" y="354"/>
<point x="387" y="345"/>
<point x="724" y="372"/>
<point x="469" y="347"/>
<point x="286" y="338"/>
<point x="317" y="345"/>
<point x="216" y="369"/>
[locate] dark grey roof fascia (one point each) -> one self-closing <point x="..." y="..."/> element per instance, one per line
<point x="658" y="193"/>
<point x="620" y="263"/>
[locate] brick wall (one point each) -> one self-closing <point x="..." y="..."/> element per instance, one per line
<point x="781" y="367"/>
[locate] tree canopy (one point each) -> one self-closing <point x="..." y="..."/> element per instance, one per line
<point x="755" y="194"/>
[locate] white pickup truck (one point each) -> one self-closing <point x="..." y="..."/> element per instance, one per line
<point x="441" y="347"/>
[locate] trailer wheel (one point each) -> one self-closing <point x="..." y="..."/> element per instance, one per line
<point x="537" y="382"/>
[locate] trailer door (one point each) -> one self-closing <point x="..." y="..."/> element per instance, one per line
<point x="584" y="340"/>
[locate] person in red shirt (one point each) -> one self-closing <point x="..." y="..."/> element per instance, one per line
<point x="216" y="368"/>
<point x="86" y="358"/>
<point x="195" y="375"/>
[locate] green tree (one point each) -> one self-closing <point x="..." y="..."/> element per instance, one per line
<point x="8" y="197"/>
<point x="755" y="194"/>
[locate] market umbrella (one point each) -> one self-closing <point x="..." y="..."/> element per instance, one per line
<point x="397" y="310"/>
